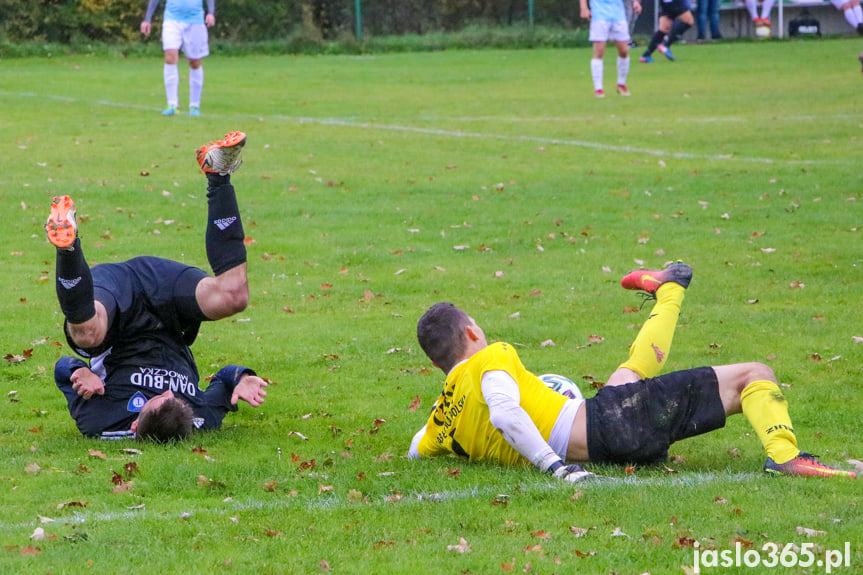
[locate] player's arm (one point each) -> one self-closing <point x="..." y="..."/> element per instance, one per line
<point x="250" y="389"/>
<point x="585" y="9"/>
<point x="86" y="383"/>
<point x="148" y="17"/>
<point x="210" y="18"/>
<point x="414" y="451"/>
<point x="502" y="395"/>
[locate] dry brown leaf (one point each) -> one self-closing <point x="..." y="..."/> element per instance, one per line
<point x="324" y="565"/>
<point x="414" y="404"/>
<point x="809" y="532"/>
<point x="462" y="546"/>
<point x="95" y="453"/>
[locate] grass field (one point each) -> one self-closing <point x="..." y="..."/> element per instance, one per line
<point x="375" y="186"/>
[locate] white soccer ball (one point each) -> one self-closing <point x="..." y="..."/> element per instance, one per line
<point x="762" y="32"/>
<point x="562" y="385"/>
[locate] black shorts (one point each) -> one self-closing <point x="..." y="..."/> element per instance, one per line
<point x="637" y="422"/>
<point x="673" y="8"/>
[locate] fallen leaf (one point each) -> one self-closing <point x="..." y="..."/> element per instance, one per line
<point x="324" y="565"/>
<point x="541" y="534"/>
<point x="809" y="532"/>
<point x="462" y="546"/>
<point x="415" y="404"/>
<point x="720" y="500"/>
<point x="745" y="543"/>
<point x="95" y="453"/>
<point x="38" y="534"/>
<point x="733" y="452"/>
<point x="618" y="533"/>
<point x="578" y="531"/>
<point x="547" y="343"/>
<point x="595" y="338"/>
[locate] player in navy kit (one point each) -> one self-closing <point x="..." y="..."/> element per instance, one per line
<point x="675" y="18"/>
<point x="135" y="321"/>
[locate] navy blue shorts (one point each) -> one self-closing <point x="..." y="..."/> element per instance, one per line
<point x="674" y="8"/>
<point x="144" y="295"/>
<point x="637" y="422"/>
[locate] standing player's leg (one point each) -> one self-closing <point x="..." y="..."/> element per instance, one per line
<point x="599" y="30"/>
<point x="86" y="319"/>
<point x="622" y="66"/>
<point x="649" y="351"/>
<point x="228" y="292"/>
<point x="196" y="47"/>
<point x="172" y="40"/>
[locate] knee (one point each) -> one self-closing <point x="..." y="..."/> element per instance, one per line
<point x="63" y="370"/>
<point x="756" y="371"/>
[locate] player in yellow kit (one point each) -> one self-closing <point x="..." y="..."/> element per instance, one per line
<point x="493" y="409"/>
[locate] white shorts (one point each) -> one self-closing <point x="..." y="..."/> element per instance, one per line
<point x="192" y="38"/>
<point x="609" y="30"/>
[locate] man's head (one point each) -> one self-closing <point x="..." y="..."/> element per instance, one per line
<point x="447" y="335"/>
<point x="164" y="418"/>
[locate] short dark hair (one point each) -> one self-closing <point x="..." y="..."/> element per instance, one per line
<point x="169" y="422"/>
<point x="440" y="332"/>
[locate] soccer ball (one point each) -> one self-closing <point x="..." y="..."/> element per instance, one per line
<point x="762" y="32"/>
<point x="562" y="385"/>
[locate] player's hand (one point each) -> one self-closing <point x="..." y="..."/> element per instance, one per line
<point x="636" y="6"/>
<point x="210" y="20"/>
<point x="145" y="28"/>
<point x="86" y="383"/>
<point x="571" y="473"/>
<point x="585" y="13"/>
<point x="251" y="390"/>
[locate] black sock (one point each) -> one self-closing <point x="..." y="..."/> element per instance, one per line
<point x="224" y="236"/>
<point x="678" y="29"/>
<point x="658" y="36"/>
<point x="74" y="284"/>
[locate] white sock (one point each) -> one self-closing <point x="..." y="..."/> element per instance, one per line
<point x="766" y="7"/>
<point x="596" y="73"/>
<point x="622" y="70"/>
<point x="196" y="85"/>
<point x="752" y="7"/>
<point x="172" y="81"/>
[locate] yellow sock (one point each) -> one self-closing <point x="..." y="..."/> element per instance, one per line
<point x="649" y="351"/>
<point x="767" y="410"/>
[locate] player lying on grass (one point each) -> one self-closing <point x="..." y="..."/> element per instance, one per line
<point x="493" y="409"/>
<point x="135" y="321"/>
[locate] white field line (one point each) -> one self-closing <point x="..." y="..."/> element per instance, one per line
<point x="365" y="125"/>
<point x="337" y="502"/>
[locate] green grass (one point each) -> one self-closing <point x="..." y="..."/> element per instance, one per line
<point x="366" y="173"/>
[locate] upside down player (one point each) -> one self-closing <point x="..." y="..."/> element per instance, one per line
<point x="135" y="321"/>
<point x="493" y="409"/>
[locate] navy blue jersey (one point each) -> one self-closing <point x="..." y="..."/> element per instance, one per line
<point x="153" y="318"/>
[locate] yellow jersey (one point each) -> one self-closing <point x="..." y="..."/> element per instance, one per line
<point x="460" y="421"/>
